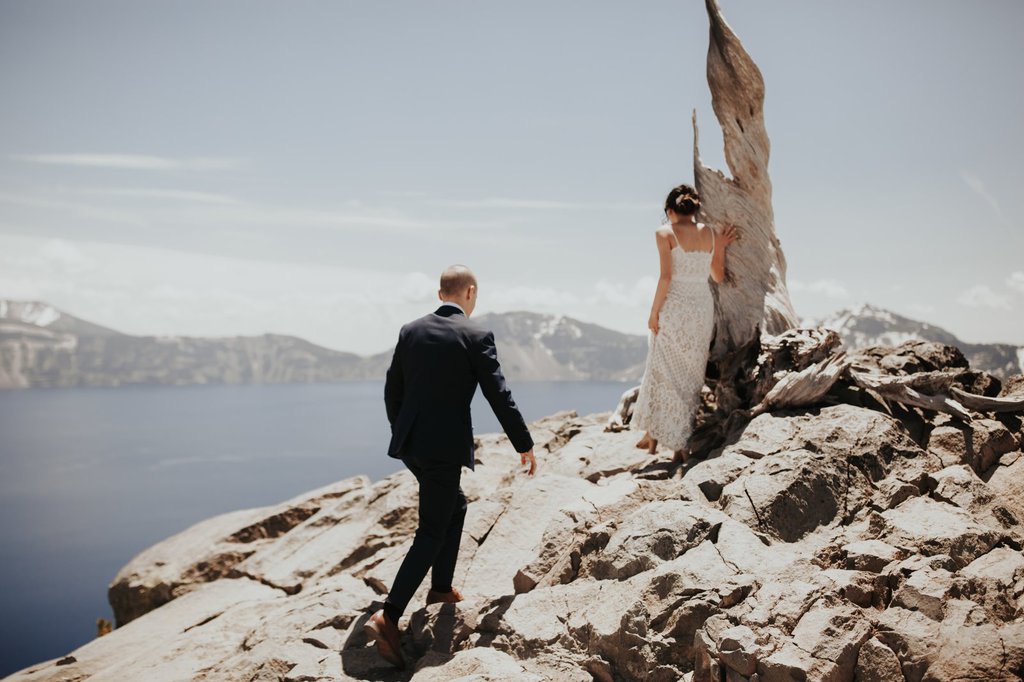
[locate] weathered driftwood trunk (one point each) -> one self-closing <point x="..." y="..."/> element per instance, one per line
<point x="753" y="300"/>
<point x="755" y="297"/>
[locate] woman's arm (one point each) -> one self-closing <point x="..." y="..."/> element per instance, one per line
<point x="722" y="241"/>
<point x="665" y="259"/>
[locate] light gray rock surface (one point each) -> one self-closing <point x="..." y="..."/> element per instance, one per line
<point x="785" y="554"/>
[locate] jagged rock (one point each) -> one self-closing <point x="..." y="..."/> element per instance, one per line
<point x="706" y="666"/>
<point x="173" y="567"/>
<point x="655" y="533"/>
<point x="912" y="636"/>
<point x="1013" y="386"/>
<point x="980" y="652"/>
<point x="442" y="628"/>
<point x="721" y="648"/>
<point x="925" y="591"/>
<point x="1006" y="480"/>
<point x="710" y="476"/>
<point x="996" y="582"/>
<point x="979" y="444"/>
<point x="790" y="494"/>
<point x="832" y="635"/>
<point x="862" y="588"/>
<point x="478" y="664"/>
<point x="162" y="642"/>
<point x="876" y="437"/>
<point x="871" y="555"/>
<point x="877" y="663"/>
<point x="892" y="492"/>
<point x="910" y="357"/>
<point x="519" y="529"/>
<point x="593" y="454"/>
<point x="960" y="486"/>
<point x="936" y="528"/>
<point x="577" y="530"/>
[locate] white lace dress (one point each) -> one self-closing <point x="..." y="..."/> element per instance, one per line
<point x="678" y="354"/>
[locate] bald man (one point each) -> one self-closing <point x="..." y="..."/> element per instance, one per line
<point x="438" y="362"/>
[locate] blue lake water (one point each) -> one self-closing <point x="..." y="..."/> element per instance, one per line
<point x="89" y="477"/>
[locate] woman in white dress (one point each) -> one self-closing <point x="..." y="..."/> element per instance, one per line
<point x="682" y="323"/>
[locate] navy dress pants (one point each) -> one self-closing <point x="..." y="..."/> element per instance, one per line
<point x="442" y="511"/>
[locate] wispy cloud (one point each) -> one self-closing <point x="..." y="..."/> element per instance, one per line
<point x="601" y="295"/>
<point x="923" y="309"/>
<point x="825" y="287"/>
<point x="1016" y="281"/>
<point x="529" y="298"/>
<point x="982" y="296"/>
<point x="131" y="161"/>
<point x="74" y="209"/>
<point x="978" y="187"/>
<point x="156" y="193"/>
<point x="203" y="208"/>
<point x="638" y="294"/>
<point x="542" y="204"/>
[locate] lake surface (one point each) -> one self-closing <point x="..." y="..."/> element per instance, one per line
<point x="90" y="477"/>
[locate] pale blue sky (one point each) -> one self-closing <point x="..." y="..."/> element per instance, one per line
<point x="309" y="167"/>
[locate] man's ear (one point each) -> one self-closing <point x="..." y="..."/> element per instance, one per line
<point x="440" y="296"/>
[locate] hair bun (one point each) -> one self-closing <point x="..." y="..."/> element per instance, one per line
<point x="683" y="199"/>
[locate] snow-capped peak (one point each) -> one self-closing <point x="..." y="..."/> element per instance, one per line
<point x="29" y="312"/>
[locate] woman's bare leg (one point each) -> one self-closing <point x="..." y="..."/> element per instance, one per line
<point x="681" y="456"/>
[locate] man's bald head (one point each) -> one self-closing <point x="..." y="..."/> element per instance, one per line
<point x="458" y="285"/>
<point x="455" y="280"/>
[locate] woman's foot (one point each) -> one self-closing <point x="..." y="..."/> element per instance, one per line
<point x="644" y="442"/>
<point x="652" y="449"/>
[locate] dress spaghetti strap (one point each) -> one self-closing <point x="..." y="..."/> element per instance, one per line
<point x="675" y="238"/>
<point x="712" y="239"/>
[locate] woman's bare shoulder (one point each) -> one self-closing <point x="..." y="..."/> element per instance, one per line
<point x="706" y="232"/>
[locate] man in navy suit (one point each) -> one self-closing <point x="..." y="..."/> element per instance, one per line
<point x="438" y="362"/>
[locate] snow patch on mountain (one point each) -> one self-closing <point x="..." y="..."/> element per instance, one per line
<point x="29" y="312"/>
<point x="866" y="325"/>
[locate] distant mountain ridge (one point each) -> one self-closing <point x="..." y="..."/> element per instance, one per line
<point x="42" y="346"/>
<point x="46" y="347"/>
<point x="869" y="325"/>
<point x="556" y="347"/>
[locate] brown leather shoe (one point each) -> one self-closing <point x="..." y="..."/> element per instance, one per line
<point x="444" y="597"/>
<point x="381" y="630"/>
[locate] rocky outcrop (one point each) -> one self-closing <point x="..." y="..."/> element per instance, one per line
<point x="835" y="541"/>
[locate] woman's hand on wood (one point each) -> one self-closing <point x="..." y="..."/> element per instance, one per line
<point x="729" y="235"/>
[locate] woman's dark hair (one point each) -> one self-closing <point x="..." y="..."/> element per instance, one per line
<point x="683" y="200"/>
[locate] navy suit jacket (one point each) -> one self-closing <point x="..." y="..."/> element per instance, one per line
<point x="438" y="362"/>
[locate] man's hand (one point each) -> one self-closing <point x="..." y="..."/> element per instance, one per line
<point x="528" y="456"/>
